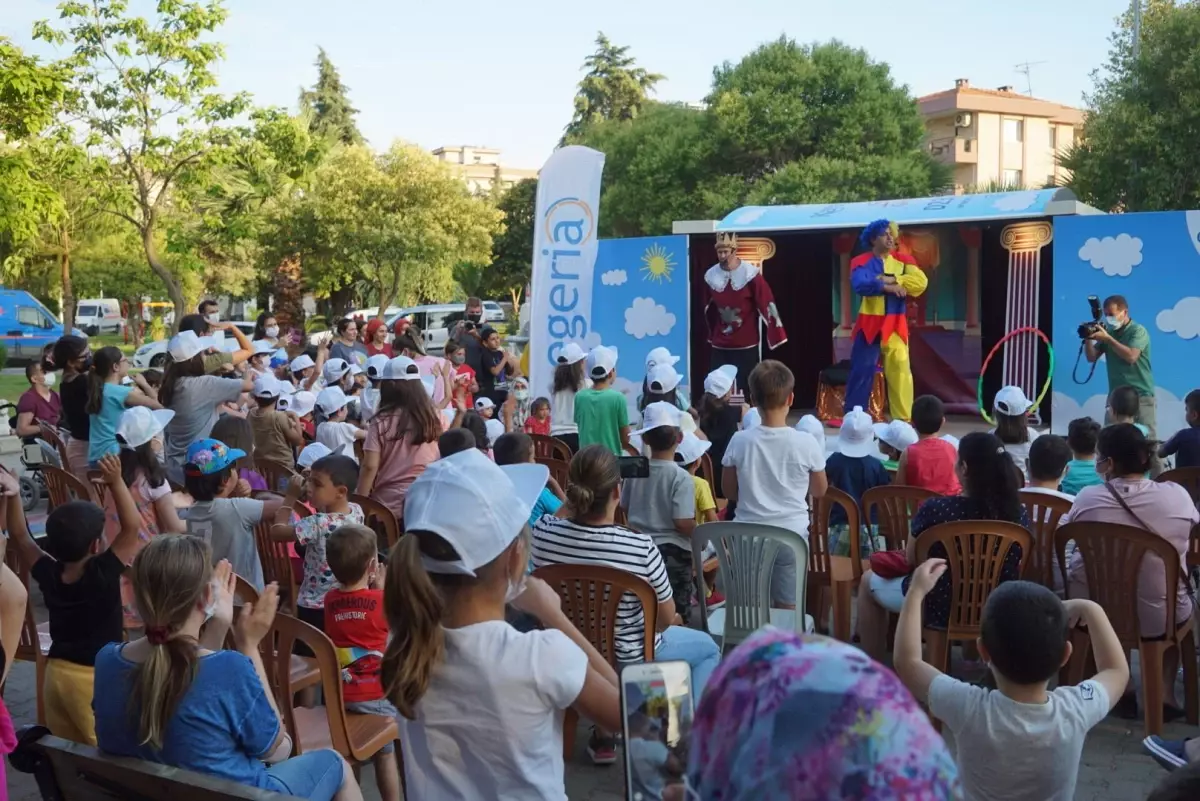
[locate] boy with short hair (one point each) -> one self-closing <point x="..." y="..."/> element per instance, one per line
<point x="276" y="433"/>
<point x="1082" y="435"/>
<point x="1049" y="456"/>
<point x="517" y="448"/>
<point x="929" y="462"/>
<point x="1184" y="445"/>
<point x="601" y="412"/>
<point x="80" y="581"/>
<point x="771" y="470"/>
<point x="663" y="505"/>
<point x="456" y="440"/>
<point x="355" y="621"/>
<point x="1019" y="740"/>
<point x="1123" y="408"/>
<point x="329" y="484"/>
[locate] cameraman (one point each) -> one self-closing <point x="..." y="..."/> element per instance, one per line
<point x="466" y="333"/>
<point x="1127" y="346"/>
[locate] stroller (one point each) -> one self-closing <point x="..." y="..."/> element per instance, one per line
<point x="35" y="453"/>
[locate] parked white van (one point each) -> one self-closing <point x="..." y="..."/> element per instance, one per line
<point x="98" y="315"/>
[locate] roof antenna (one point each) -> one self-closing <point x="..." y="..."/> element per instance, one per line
<point x="1025" y="69"/>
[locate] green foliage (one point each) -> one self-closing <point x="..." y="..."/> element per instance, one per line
<point x="787" y="124"/>
<point x="316" y="324"/>
<point x="156" y="329"/>
<point x="329" y="109"/>
<point x="3" y="356"/>
<point x="471" y="278"/>
<point x="512" y="249"/>
<point x="1137" y="151"/>
<point x="614" y="88"/>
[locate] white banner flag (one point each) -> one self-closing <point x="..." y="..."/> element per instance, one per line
<point x="564" y="258"/>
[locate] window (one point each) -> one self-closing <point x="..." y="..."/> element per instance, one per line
<point x="1012" y="178"/>
<point x="1054" y="137"/>
<point x="86" y="311"/>
<point x="28" y="315"/>
<point x="1014" y="130"/>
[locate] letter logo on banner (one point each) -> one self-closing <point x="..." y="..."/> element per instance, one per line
<point x="564" y="258"/>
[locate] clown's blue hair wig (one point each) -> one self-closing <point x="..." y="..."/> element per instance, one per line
<point x="872" y="231"/>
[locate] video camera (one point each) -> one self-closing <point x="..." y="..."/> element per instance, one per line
<point x="1086" y="330"/>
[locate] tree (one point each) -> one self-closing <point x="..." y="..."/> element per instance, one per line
<point x="144" y="95"/>
<point x="512" y="249"/>
<point x="613" y="88"/>
<point x="329" y="107"/>
<point x="1138" y="144"/>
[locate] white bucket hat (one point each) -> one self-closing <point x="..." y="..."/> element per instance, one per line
<point x="719" y="382"/>
<point x="1011" y="401"/>
<point x="332" y="400"/>
<point x="662" y="378"/>
<point x="375" y="366"/>
<point x="601" y="361"/>
<point x="302" y="362"/>
<point x="814" y="427"/>
<point x="659" y="414"/>
<point x="335" y="370"/>
<point x="401" y="368"/>
<point x="300" y="404"/>
<point x="659" y="356"/>
<point x="140" y="424"/>
<point x="267" y="386"/>
<point x="186" y="345"/>
<point x="897" y="433"/>
<point x="858" y="434"/>
<point x="692" y="448"/>
<point x="571" y="353"/>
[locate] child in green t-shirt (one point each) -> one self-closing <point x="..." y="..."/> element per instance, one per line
<point x="602" y="413"/>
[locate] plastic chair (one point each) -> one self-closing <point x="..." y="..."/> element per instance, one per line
<point x="976" y="550"/>
<point x="1186" y="477"/>
<point x="381" y="519"/>
<point x="831" y="579"/>
<point x="51" y="437"/>
<point x="356" y="737"/>
<point x="1112" y="557"/>
<point x="303" y="671"/>
<point x="275" y="474"/>
<point x="590" y="596"/>
<point x="560" y="471"/>
<point x="550" y="448"/>
<point x="746" y="553"/>
<point x="99" y="486"/>
<point x="1045" y="512"/>
<point x="894" y="506"/>
<point x="64" y="487"/>
<point x="276" y="563"/>
<point x="707" y="472"/>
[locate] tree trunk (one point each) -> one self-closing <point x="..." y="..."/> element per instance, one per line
<point x="339" y="303"/>
<point x="133" y="320"/>
<point x="174" y="292"/>
<point x="289" y="297"/>
<point x="64" y="267"/>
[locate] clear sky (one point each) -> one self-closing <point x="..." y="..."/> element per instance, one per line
<point x="503" y="73"/>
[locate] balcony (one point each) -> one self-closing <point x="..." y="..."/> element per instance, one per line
<point x="955" y="150"/>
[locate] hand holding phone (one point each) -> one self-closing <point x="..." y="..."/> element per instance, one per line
<point x="634" y="466"/>
<point x="656" y="718"/>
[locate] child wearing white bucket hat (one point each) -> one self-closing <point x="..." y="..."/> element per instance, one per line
<point x="1011" y="409"/>
<point x="276" y="433"/>
<point x="569" y="378"/>
<point x="720" y="419"/>
<point x="452" y="653"/>
<point x="854" y="468"/>
<point x="657" y="359"/>
<point x="602" y="412"/>
<point x="334" y="432"/>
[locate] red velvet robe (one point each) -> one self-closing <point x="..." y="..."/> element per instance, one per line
<point x="735" y="301"/>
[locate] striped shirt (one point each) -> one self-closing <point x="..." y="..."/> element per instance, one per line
<point x="559" y="541"/>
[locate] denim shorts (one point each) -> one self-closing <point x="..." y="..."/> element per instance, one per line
<point x="316" y="775"/>
<point x="380" y="706"/>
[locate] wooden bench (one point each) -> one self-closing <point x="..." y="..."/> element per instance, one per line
<point x="68" y="771"/>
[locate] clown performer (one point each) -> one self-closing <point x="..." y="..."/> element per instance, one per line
<point x="884" y="279"/>
<point x="738" y="297"/>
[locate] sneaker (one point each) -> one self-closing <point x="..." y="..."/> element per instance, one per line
<point x="715" y="600"/>
<point x="1168" y="753"/>
<point x="602" y="750"/>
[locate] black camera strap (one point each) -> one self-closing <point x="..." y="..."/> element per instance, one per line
<point x="1075" y="369"/>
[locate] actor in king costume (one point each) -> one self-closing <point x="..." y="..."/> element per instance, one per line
<point x="738" y="297"/>
<point x="884" y="279"/>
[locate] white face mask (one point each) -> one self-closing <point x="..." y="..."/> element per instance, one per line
<point x="1114" y="322"/>
<point x="213" y="318"/>
<point x="272" y="331"/>
<point x="50" y="379"/>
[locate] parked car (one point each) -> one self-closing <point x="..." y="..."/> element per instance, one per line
<point x="493" y="312"/>
<point x="27" y="326"/>
<point x="99" y="315"/>
<point x="435" y="322"/>
<point x="154" y="354"/>
<point x="371" y="313"/>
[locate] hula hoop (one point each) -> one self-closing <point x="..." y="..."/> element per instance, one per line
<point x="996" y="348"/>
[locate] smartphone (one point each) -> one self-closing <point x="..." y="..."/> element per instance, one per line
<point x="656" y="718"/>
<point x="634" y="466"/>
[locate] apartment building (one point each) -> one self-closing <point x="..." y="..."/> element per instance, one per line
<point x="480" y="167"/>
<point x="998" y="135"/>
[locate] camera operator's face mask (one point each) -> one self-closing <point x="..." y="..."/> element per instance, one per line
<point x="475" y="315"/>
<point x="1116" y="320"/>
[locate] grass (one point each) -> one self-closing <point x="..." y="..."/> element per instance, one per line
<point x="12" y="386"/>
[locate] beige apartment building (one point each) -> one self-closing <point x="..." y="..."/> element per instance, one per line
<point x="480" y="167"/>
<point x="998" y="135"/>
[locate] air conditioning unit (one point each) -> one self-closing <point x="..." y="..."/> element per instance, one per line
<point x="962" y="120"/>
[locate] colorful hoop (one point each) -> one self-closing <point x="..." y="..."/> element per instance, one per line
<point x="996" y="348"/>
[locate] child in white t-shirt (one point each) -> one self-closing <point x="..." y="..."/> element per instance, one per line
<point x="453" y="661"/>
<point x="1020" y="740"/>
<point x="335" y="432"/>
<point x="772" y="469"/>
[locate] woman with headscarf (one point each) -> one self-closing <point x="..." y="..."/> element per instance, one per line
<point x="375" y="338"/>
<point x="813" y="719"/>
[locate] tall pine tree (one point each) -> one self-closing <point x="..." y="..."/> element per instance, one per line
<point x="614" y="88"/>
<point x="332" y="115"/>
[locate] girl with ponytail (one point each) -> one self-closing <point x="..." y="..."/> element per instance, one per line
<point x="990" y="486"/>
<point x="73" y="357"/>
<point x="175" y="697"/>
<point x="107" y="399"/>
<point x="453" y="659"/>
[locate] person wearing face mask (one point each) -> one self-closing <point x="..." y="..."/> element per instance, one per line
<point x="1126" y="348"/>
<point x="466" y="333"/>
<point x="266" y="329"/>
<point x="38" y="403"/>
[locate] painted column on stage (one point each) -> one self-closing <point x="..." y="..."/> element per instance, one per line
<point x="1024" y="243"/>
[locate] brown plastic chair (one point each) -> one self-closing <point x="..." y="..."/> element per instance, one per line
<point x="560" y="471"/>
<point x="708" y="473"/>
<point x="1186" y="477"/>
<point x="64" y="487"/>
<point x="620" y="517"/>
<point x="976" y="550"/>
<point x="590" y="597"/>
<point x="99" y="486"/>
<point x="276" y="563"/>
<point x="831" y="579"/>
<point x="303" y="671"/>
<point x="550" y="448"/>
<point x="51" y="436"/>
<point x="34" y="644"/>
<point x="381" y="519"/>
<point x="894" y="506"/>
<point x="356" y="737"/>
<point x="1045" y="512"/>
<point x="1112" y="556"/>
<point x="275" y="474"/>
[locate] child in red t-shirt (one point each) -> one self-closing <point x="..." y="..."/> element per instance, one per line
<point x="355" y="621"/>
<point x="930" y="462"/>
<point x="538" y="421"/>
<point x="464" y="374"/>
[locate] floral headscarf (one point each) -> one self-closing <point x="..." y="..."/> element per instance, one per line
<point x="813" y="719"/>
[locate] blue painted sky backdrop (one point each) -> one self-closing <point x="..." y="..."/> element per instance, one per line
<point x="503" y="74"/>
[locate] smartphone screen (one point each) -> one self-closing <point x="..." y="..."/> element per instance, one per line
<point x="634" y="466"/>
<point x="657" y="714"/>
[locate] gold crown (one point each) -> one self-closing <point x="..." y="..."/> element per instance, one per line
<point x="726" y="239"/>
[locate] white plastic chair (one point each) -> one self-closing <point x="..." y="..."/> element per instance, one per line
<point x="746" y="553"/>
